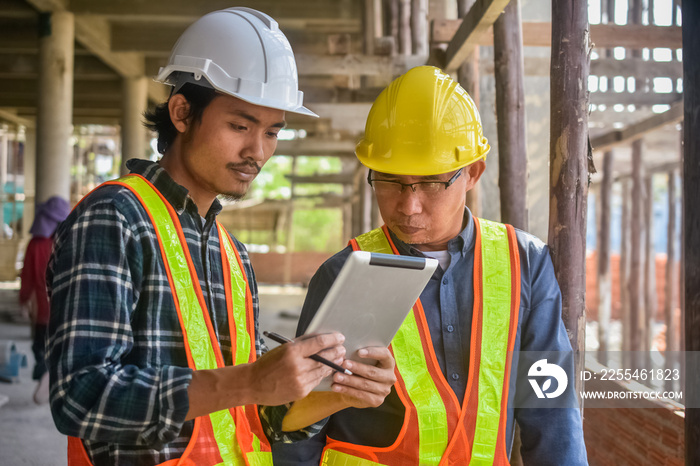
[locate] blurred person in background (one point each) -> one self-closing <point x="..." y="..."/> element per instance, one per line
<point x="33" y="297"/>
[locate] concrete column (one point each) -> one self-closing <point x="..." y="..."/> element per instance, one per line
<point x="29" y="180"/>
<point x="55" y="110"/>
<point x="134" y="103"/>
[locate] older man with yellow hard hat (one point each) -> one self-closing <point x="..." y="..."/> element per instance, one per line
<point x="494" y="295"/>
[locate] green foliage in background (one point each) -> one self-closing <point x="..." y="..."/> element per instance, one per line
<point x="314" y="228"/>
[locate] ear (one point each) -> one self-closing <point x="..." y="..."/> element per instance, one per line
<point x="179" y="109"/>
<point x="475" y="170"/>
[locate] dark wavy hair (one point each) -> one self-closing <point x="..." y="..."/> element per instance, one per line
<point x="158" y="119"/>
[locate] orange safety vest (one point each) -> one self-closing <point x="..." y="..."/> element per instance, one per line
<point x="228" y="437"/>
<point x="436" y="430"/>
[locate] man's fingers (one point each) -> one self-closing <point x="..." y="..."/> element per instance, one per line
<point x="383" y="356"/>
<point x="361" y="384"/>
<point x="333" y="354"/>
<point x="359" y="398"/>
<point x="317" y="343"/>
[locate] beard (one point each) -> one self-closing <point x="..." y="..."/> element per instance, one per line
<point x="237" y="195"/>
<point x="233" y="196"/>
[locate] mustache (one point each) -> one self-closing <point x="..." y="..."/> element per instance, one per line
<point x="239" y="165"/>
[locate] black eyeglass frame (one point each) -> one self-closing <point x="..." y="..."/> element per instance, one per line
<point x="447" y="183"/>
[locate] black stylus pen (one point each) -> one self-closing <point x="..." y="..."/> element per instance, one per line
<point x="281" y="339"/>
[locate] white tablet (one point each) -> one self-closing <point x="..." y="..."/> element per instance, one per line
<point x="370" y="299"/>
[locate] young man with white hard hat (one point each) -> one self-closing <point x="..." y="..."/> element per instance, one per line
<point x="154" y="349"/>
<point x="494" y="294"/>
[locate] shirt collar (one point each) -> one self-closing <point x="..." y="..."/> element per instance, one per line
<point x="175" y="194"/>
<point x="463" y="242"/>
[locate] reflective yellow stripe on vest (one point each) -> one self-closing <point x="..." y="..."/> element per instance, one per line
<point x="496" y="302"/>
<point x="338" y="458"/>
<point x="238" y="293"/>
<point x="243" y="340"/>
<point x="198" y="338"/>
<point x="430" y="409"/>
<point x="433" y="430"/>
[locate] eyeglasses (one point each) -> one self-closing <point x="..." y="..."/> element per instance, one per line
<point x="428" y="188"/>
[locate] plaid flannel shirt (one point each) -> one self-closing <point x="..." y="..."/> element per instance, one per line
<point x="116" y="355"/>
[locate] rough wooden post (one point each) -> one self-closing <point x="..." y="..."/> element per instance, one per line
<point x="650" y="267"/>
<point x="419" y="27"/>
<point x="604" y="279"/>
<point x="405" y="27"/>
<point x="636" y="295"/>
<point x="568" y="168"/>
<point x="288" y="259"/>
<point x="635" y="282"/>
<point x="624" y="270"/>
<point x="671" y="284"/>
<point x="393" y="22"/>
<point x="468" y="78"/>
<point x="510" y="115"/>
<point x="691" y="219"/>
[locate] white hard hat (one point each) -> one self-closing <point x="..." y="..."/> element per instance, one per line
<point x="241" y="52"/>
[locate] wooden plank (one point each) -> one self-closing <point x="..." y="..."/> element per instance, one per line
<point x="510" y="117"/>
<point x="568" y="166"/>
<point x="94" y="34"/>
<point x="636" y="68"/>
<point x="476" y="23"/>
<point x="10" y="116"/>
<point x="538" y="34"/>
<point x="635" y="98"/>
<point x="621" y="136"/>
<point x="316" y="147"/>
<point x="187" y="10"/>
<point x="691" y="222"/>
<point x="332" y="178"/>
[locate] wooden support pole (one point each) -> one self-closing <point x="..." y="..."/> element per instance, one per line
<point x="288" y="258"/>
<point x="468" y="78"/>
<point x="635" y="282"/>
<point x="691" y="221"/>
<point x="624" y="270"/>
<point x="650" y="267"/>
<point x="419" y="27"/>
<point x="649" y="272"/>
<point x="510" y="115"/>
<point x="637" y="233"/>
<point x="393" y="22"/>
<point x="604" y="279"/>
<point x="568" y="168"/>
<point x="369" y="26"/>
<point x="607" y="8"/>
<point x="405" y="46"/>
<point x="671" y="283"/>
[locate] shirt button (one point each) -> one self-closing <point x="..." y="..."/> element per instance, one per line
<point x="450" y="328"/>
<point x="455" y="376"/>
<point x="444" y="281"/>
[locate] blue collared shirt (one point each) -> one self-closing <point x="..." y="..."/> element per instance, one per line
<point x="549" y="436"/>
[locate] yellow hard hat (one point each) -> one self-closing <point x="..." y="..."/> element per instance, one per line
<point x="423" y="123"/>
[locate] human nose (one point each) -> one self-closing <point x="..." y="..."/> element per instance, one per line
<point x="409" y="202"/>
<point x="255" y="148"/>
